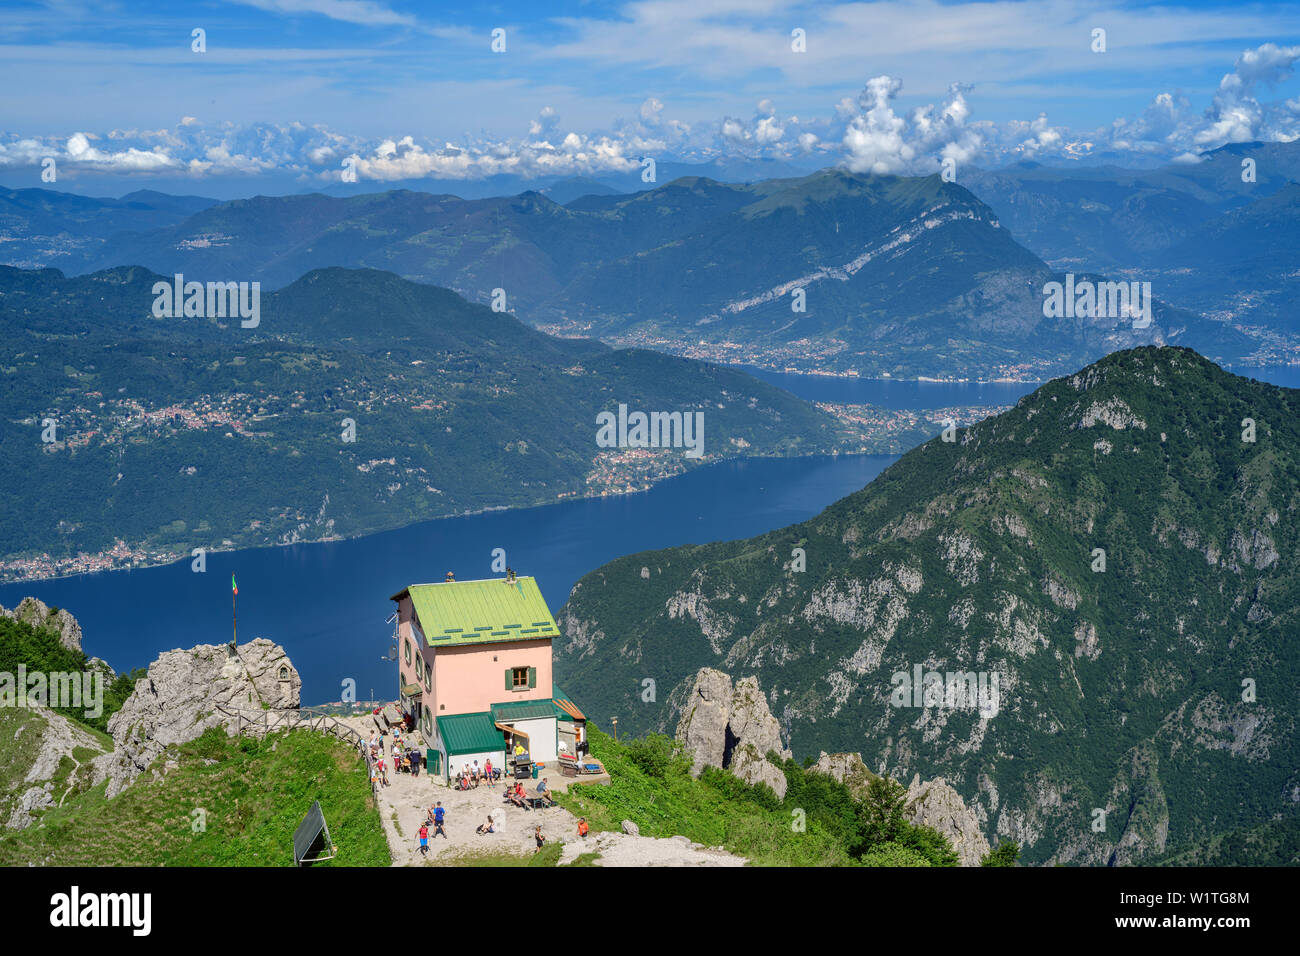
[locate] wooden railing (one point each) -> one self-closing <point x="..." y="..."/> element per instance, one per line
<point x="263" y="722"/>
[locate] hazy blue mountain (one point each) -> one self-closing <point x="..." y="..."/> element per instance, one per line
<point x="830" y="271"/>
<point x="1243" y="264"/>
<point x="40" y="227"/>
<point x="1208" y="242"/>
<point x="1102" y="217"/>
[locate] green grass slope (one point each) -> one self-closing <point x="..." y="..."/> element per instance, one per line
<point x="252" y="794"/>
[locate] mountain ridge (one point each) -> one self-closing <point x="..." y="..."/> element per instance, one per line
<point x="1121" y="690"/>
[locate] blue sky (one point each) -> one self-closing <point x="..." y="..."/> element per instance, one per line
<point x="290" y="90"/>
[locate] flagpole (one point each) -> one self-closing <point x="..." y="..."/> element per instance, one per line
<point x="234" y="626"/>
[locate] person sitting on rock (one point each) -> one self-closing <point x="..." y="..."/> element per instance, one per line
<point x="544" y="792"/>
<point x="486" y="827"/>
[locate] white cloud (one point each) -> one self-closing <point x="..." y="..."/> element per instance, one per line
<point x="1237" y="116"/>
<point x="361" y="12"/>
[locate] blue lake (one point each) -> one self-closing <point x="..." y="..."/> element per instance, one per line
<point x="327" y="604"/>
<point x="896" y="393"/>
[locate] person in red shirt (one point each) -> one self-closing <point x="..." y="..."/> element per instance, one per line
<point x="424" y="839"/>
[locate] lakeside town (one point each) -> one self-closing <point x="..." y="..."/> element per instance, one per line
<point x="613" y="472"/>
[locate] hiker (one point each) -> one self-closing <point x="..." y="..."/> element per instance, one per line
<point x="383" y="772"/>
<point x="487" y="770"/>
<point x="438" y="814"/>
<point x="475" y="775"/>
<point x="582" y="827"/>
<point x="424" y="840"/>
<point x="451" y="576"/>
<point x="544" y="792"/>
<point x="486" y="827"/>
<point x="415" y="762"/>
<point x="515" y="795"/>
<point x="537" y="835"/>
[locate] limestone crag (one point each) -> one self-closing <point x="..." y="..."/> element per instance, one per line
<point x="730" y="727"/>
<point x="936" y="804"/>
<point x="931" y="803"/>
<point x="849" y="769"/>
<point x="33" y="611"/>
<point x="186" y="692"/>
<point x="32" y="801"/>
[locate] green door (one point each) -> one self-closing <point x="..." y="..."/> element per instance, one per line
<point x="433" y="761"/>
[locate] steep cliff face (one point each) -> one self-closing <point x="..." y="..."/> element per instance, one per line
<point x="188" y="691"/>
<point x="935" y="804"/>
<point x="729" y="726"/>
<point x="1079" y="614"/>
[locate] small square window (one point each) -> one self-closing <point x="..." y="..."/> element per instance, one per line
<point x="519" y="676"/>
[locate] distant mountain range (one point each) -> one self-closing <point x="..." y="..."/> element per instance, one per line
<point x="1117" y="552"/>
<point x="824" y="272"/>
<point x="1207" y="240"/>
<point x="146" y="437"/>
<point x="44" y="227"/>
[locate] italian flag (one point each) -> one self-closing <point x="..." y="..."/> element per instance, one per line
<point x="234" y="588"/>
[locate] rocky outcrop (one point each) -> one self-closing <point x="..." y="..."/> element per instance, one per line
<point x="54" y="741"/>
<point x="187" y="692"/>
<point x="849" y="769"/>
<point x="933" y="804"/>
<point x="731" y="727"/>
<point x="936" y="804"/>
<point x="33" y="611"/>
<point x="35" y="799"/>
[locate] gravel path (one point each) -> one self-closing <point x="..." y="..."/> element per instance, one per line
<point x="405" y="803"/>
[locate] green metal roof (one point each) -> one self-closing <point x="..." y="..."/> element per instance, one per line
<point x="469" y="734"/>
<point x="482" y="612"/>
<point x="523" y="709"/>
